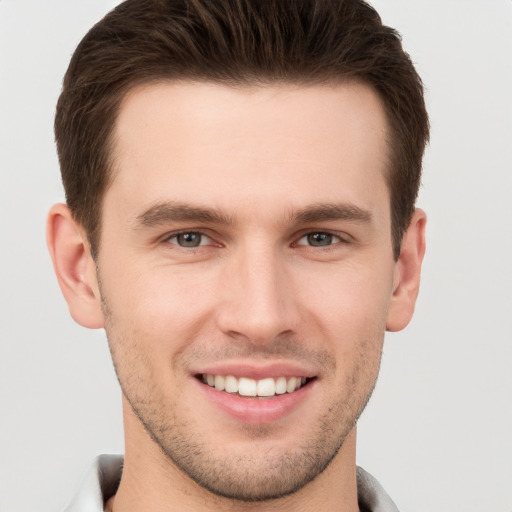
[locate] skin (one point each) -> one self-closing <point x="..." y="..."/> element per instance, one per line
<point x="275" y="165"/>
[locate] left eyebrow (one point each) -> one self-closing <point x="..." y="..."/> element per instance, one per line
<point x="331" y="212"/>
<point x="166" y="212"/>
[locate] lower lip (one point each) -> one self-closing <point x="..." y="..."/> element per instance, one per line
<point x="256" y="410"/>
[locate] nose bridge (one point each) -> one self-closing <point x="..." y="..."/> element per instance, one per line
<point x="258" y="304"/>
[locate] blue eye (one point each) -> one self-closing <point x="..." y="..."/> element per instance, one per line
<point x="319" y="239"/>
<point x="189" y="239"/>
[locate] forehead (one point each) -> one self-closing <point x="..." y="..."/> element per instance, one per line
<point x="215" y="143"/>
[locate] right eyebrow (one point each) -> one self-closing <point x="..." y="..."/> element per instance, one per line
<point x="324" y="212"/>
<point x="166" y="212"/>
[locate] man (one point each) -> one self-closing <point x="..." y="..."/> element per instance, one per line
<point x="240" y="181"/>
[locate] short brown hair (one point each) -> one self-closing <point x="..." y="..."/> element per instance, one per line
<point x="233" y="42"/>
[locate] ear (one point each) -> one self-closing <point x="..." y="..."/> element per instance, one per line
<point x="74" y="266"/>
<point x="406" y="280"/>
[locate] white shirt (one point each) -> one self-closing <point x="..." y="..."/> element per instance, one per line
<point x="103" y="478"/>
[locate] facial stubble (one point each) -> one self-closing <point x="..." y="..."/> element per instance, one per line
<point x="268" y="473"/>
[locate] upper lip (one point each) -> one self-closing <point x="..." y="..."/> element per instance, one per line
<point x="257" y="371"/>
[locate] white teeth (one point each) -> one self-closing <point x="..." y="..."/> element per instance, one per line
<point x="266" y="387"/>
<point x="251" y="387"/>
<point x="291" y="385"/>
<point x="247" y="387"/>
<point x="231" y="384"/>
<point x="219" y="382"/>
<point x="281" y="386"/>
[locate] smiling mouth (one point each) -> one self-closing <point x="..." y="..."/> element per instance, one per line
<point x="248" y="387"/>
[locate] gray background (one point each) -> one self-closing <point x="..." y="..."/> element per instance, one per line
<point x="438" y="431"/>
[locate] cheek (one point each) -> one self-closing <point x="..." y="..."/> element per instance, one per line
<point x="349" y="312"/>
<point x="160" y="306"/>
<point x="349" y="297"/>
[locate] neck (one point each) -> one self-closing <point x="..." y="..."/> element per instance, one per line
<point x="151" y="482"/>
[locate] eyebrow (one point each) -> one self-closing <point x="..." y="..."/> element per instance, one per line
<point x="165" y="212"/>
<point x="331" y="212"/>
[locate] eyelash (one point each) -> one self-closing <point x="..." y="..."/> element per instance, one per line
<point x="170" y="236"/>
<point x="323" y="233"/>
<point x="340" y="239"/>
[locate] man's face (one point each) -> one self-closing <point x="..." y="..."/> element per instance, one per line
<point x="247" y="235"/>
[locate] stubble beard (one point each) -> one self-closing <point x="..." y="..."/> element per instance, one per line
<point x="269" y="474"/>
<point x="264" y="476"/>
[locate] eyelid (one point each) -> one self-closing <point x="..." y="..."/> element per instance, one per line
<point x="169" y="236"/>
<point x="343" y="238"/>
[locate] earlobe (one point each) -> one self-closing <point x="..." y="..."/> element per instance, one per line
<point x="407" y="273"/>
<point x="74" y="267"/>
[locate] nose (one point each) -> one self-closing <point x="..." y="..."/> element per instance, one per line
<point x="257" y="299"/>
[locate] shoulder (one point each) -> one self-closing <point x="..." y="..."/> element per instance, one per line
<point x="371" y="495"/>
<point x="98" y="485"/>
